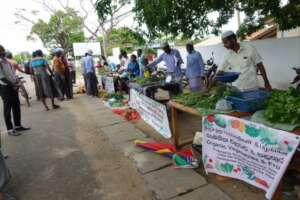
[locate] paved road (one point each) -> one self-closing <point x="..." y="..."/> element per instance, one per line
<point x="66" y="156"/>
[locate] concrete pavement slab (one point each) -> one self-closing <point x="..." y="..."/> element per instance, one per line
<point x="125" y="136"/>
<point x="206" y="192"/>
<point x="169" y="182"/>
<point x="149" y="161"/>
<point x="120" y="127"/>
<point x="129" y="149"/>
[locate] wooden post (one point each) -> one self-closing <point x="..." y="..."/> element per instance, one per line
<point x="174" y="126"/>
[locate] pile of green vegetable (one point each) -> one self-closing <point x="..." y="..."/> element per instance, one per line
<point x="206" y="100"/>
<point x="116" y="95"/>
<point x="283" y="107"/>
<point x="146" y="81"/>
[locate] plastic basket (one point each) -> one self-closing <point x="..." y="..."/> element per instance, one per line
<point x="227" y="77"/>
<point x="249" y="101"/>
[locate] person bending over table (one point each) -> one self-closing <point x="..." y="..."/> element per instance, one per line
<point x="173" y="61"/>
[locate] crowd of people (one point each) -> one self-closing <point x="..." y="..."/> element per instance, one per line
<point x="51" y="81"/>
<point x="56" y="80"/>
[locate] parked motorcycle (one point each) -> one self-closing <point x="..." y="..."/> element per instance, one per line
<point x="210" y="70"/>
<point x="297" y="78"/>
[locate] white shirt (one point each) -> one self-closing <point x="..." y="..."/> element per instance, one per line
<point x="7" y="72"/>
<point x="244" y="61"/>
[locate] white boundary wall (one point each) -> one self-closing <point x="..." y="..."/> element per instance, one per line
<point x="279" y="56"/>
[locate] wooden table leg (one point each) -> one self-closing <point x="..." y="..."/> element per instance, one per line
<point x="278" y="193"/>
<point x="174" y="127"/>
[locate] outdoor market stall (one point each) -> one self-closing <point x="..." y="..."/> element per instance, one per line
<point x="175" y="122"/>
<point x="281" y="111"/>
<point x="149" y="86"/>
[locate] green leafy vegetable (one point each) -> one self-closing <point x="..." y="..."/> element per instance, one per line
<point x="206" y="100"/>
<point x="147" y="81"/>
<point x="283" y="107"/>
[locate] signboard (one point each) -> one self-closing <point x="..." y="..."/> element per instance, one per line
<point x="248" y="151"/>
<point x="81" y="48"/>
<point x="109" y="84"/>
<point x="116" y="52"/>
<point x="152" y="112"/>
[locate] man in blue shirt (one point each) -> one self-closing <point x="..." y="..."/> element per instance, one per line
<point x="173" y="61"/>
<point x="133" y="67"/>
<point x="195" y="68"/>
<point x="89" y="70"/>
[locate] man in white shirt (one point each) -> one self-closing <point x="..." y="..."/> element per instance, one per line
<point x="246" y="60"/>
<point x="10" y="97"/>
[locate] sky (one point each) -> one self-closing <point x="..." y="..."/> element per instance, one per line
<point x="14" y="36"/>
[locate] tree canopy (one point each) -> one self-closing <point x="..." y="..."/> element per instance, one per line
<point x="196" y="18"/>
<point x="63" y="29"/>
<point x="125" y="38"/>
<point x="22" y="57"/>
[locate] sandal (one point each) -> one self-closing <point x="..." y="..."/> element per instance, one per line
<point x="56" y="106"/>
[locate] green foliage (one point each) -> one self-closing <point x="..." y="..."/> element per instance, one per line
<point x="147" y="81"/>
<point x="107" y="8"/>
<point x="125" y="38"/>
<point x="63" y="29"/>
<point x="194" y="18"/>
<point x="22" y="57"/>
<point x="284" y="107"/>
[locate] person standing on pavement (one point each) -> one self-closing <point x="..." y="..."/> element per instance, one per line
<point x="141" y="61"/>
<point x="59" y="72"/>
<point x="83" y="72"/>
<point x="173" y="61"/>
<point x="244" y="59"/>
<point x="68" y="79"/>
<point x="10" y="96"/>
<point x="91" y="79"/>
<point x="42" y="73"/>
<point x="194" y="68"/>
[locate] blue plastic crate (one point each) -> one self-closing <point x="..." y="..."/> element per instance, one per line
<point x="249" y="101"/>
<point x="228" y="77"/>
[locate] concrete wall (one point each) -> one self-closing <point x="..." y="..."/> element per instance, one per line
<point x="291" y="33"/>
<point x="279" y="56"/>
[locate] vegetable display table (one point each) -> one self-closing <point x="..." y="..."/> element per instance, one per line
<point x="178" y="142"/>
<point x="151" y="89"/>
<point x="175" y="123"/>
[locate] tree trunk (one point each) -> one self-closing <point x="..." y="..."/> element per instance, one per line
<point x="105" y="44"/>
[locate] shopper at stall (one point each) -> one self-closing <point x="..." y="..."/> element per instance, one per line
<point x="42" y="74"/>
<point x="68" y="79"/>
<point x="173" y="61"/>
<point x="141" y="61"/>
<point x="83" y="72"/>
<point x="245" y="59"/>
<point x="194" y="68"/>
<point x="91" y="79"/>
<point x="10" y="97"/>
<point x="133" y="68"/>
<point x="59" y="71"/>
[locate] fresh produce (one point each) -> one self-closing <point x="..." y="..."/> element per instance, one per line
<point x="206" y="100"/>
<point x="118" y="96"/>
<point x="283" y="107"/>
<point x="147" y="81"/>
